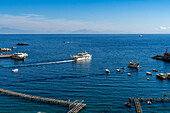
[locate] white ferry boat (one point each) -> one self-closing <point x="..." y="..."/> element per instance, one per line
<point x="82" y="56"/>
<point x="133" y="64"/>
<point x="19" y="56"/>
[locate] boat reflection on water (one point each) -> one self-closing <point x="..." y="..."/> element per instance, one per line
<point x="82" y="63"/>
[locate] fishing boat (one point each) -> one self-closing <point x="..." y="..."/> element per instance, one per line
<point x="18" y="56"/>
<point x="82" y="56"/>
<point x="133" y="65"/>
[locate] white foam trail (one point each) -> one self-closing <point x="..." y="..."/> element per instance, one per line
<point x="37" y="64"/>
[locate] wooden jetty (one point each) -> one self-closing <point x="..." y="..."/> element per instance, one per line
<point x="150" y="98"/>
<point x="74" y="107"/>
<point x="136" y="100"/>
<point x="5" y="55"/>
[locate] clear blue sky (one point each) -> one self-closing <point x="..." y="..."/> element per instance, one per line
<point x="85" y="16"/>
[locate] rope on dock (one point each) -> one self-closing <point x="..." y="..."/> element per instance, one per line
<point x="76" y="106"/>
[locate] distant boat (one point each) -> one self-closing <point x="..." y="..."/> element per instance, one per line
<point x="15" y="70"/>
<point x="22" y="43"/>
<point x="140" y="35"/>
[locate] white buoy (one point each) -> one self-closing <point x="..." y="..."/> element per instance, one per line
<point x="15" y="70"/>
<point x="148" y="78"/>
<point x="129" y="74"/>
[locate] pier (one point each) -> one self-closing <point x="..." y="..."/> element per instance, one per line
<point x="136" y="100"/>
<point x="74" y="107"/>
<point x="137" y="106"/>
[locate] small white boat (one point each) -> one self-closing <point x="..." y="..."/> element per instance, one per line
<point x="118" y="70"/>
<point x="15" y="70"/>
<point x="19" y="56"/>
<point x="140" y="35"/>
<point x="129" y="74"/>
<point x="149" y="102"/>
<point x="155" y="70"/>
<point x="133" y="65"/>
<point x="82" y="56"/>
<point x="107" y="70"/>
<point x="148" y="73"/>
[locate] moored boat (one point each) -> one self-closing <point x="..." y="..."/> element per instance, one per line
<point x="148" y="73"/>
<point x="107" y="70"/>
<point x="161" y="76"/>
<point x="133" y="64"/>
<point x="82" y="56"/>
<point x="15" y="70"/>
<point x="118" y="70"/>
<point x="128" y="105"/>
<point x="18" y="56"/>
<point x="155" y="70"/>
<point x="5" y="49"/>
<point x="167" y="75"/>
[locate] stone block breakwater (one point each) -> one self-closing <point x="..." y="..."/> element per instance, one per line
<point x="74" y="107"/>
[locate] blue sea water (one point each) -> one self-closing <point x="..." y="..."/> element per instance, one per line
<point x="84" y="80"/>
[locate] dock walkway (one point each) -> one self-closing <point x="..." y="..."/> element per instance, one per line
<point x="136" y="100"/>
<point x="137" y="106"/>
<point x="76" y="106"/>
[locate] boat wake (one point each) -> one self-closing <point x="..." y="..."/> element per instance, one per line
<point x="38" y="64"/>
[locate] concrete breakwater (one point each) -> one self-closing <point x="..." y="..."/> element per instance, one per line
<point x="76" y="106"/>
